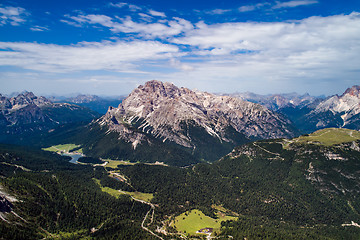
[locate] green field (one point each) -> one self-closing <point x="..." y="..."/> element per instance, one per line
<point x="63" y="148"/>
<point x="141" y="196"/>
<point x="115" y="163"/>
<point x="330" y="136"/>
<point x="190" y="222"/>
<point x="116" y="193"/>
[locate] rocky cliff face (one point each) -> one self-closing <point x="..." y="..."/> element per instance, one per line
<point x="23" y="109"/>
<point x="338" y="111"/>
<point x="167" y="112"/>
<point x="27" y="114"/>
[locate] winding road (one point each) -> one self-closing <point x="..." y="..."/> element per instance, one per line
<point x="146" y="216"/>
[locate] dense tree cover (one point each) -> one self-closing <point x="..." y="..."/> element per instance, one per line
<point x="65" y="199"/>
<point x="263" y="228"/>
<point x="91" y="160"/>
<point x="272" y="183"/>
<point x="293" y="192"/>
<point x="97" y="141"/>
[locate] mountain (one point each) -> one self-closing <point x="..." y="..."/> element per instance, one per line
<point x="276" y="102"/>
<point x="82" y="98"/>
<point x="204" y="125"/>
<point x="95" y="103"/>
<point x="27" y="114"/>
<point x="310" y="113"/>
<point x="335" y="111"/>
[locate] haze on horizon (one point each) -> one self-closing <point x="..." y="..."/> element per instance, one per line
<point x="111" y="47"/>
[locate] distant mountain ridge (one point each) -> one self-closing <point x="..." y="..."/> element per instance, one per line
<point x="346" y="107"/>
<point x="312" y="113"/>
<point x="276" y="102"/>
<point x="94" y="102"/>
<point x="28" y="114"/>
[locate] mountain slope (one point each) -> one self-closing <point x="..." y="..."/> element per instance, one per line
<point x="336" y="111"/>
<point x="202" y="124"/>
<point x="27" y="115"/>
<point x="302" y="188"/>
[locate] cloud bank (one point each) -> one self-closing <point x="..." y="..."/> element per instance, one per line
<point x="243" y="54"/>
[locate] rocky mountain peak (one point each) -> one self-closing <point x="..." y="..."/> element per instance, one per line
<point x="28" y="98"/>
<point x="165" y="111"/>
<point x="353" y="91"/>
<point x="157" y="89"/>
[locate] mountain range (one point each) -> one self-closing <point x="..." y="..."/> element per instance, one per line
<point x="27" y="114"/>
<point x="204" y="125"/>
<point x="310" y="113"/>
<point x="94" y="102"/>
<point x="186" y="126"/>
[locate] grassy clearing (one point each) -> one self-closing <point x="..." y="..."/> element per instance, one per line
<point x="190" y="222"/>
<point x="147" y="197"/>
<point x="114" y="163"/>
<point x="63" y="148"/>
<point x="330" y="136"/>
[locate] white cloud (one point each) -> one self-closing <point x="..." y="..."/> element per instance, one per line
<point x="146" y="17"/>
<point x="179" y="65"/>
<point x="276" y="54"/>
<point x="134" y="8"/>
<point x="12" y="15"/>
<point x="295" y="3"/>
<point x="39" y="29"/>
<point x="156" y="13"/>
<point x="93" y="19"/>
<point x="218" y="11"/>
<point x="118" y="5"/>
<point x="249" y="8"/>
<point x="162" y="28"/>
<point x="309" y="34"/>
<point x="113" y="56"/>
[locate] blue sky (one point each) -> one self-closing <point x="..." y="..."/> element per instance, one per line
<point x="110" y="47"/>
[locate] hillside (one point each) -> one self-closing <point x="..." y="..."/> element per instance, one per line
<point x="301" y="188"/>
<point x="274" y="183"/>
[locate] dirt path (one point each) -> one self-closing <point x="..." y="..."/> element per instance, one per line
<point x="276" y="154"/>
<point x="152" y="208"/>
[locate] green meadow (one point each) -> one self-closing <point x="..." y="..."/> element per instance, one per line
<point x="63" y="148"/>
<point x="190" y="222"/>
<point x="116" y="193"/>
<point x="330" y="136"/>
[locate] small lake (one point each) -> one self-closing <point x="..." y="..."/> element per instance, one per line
<point x="74" y="157"/>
